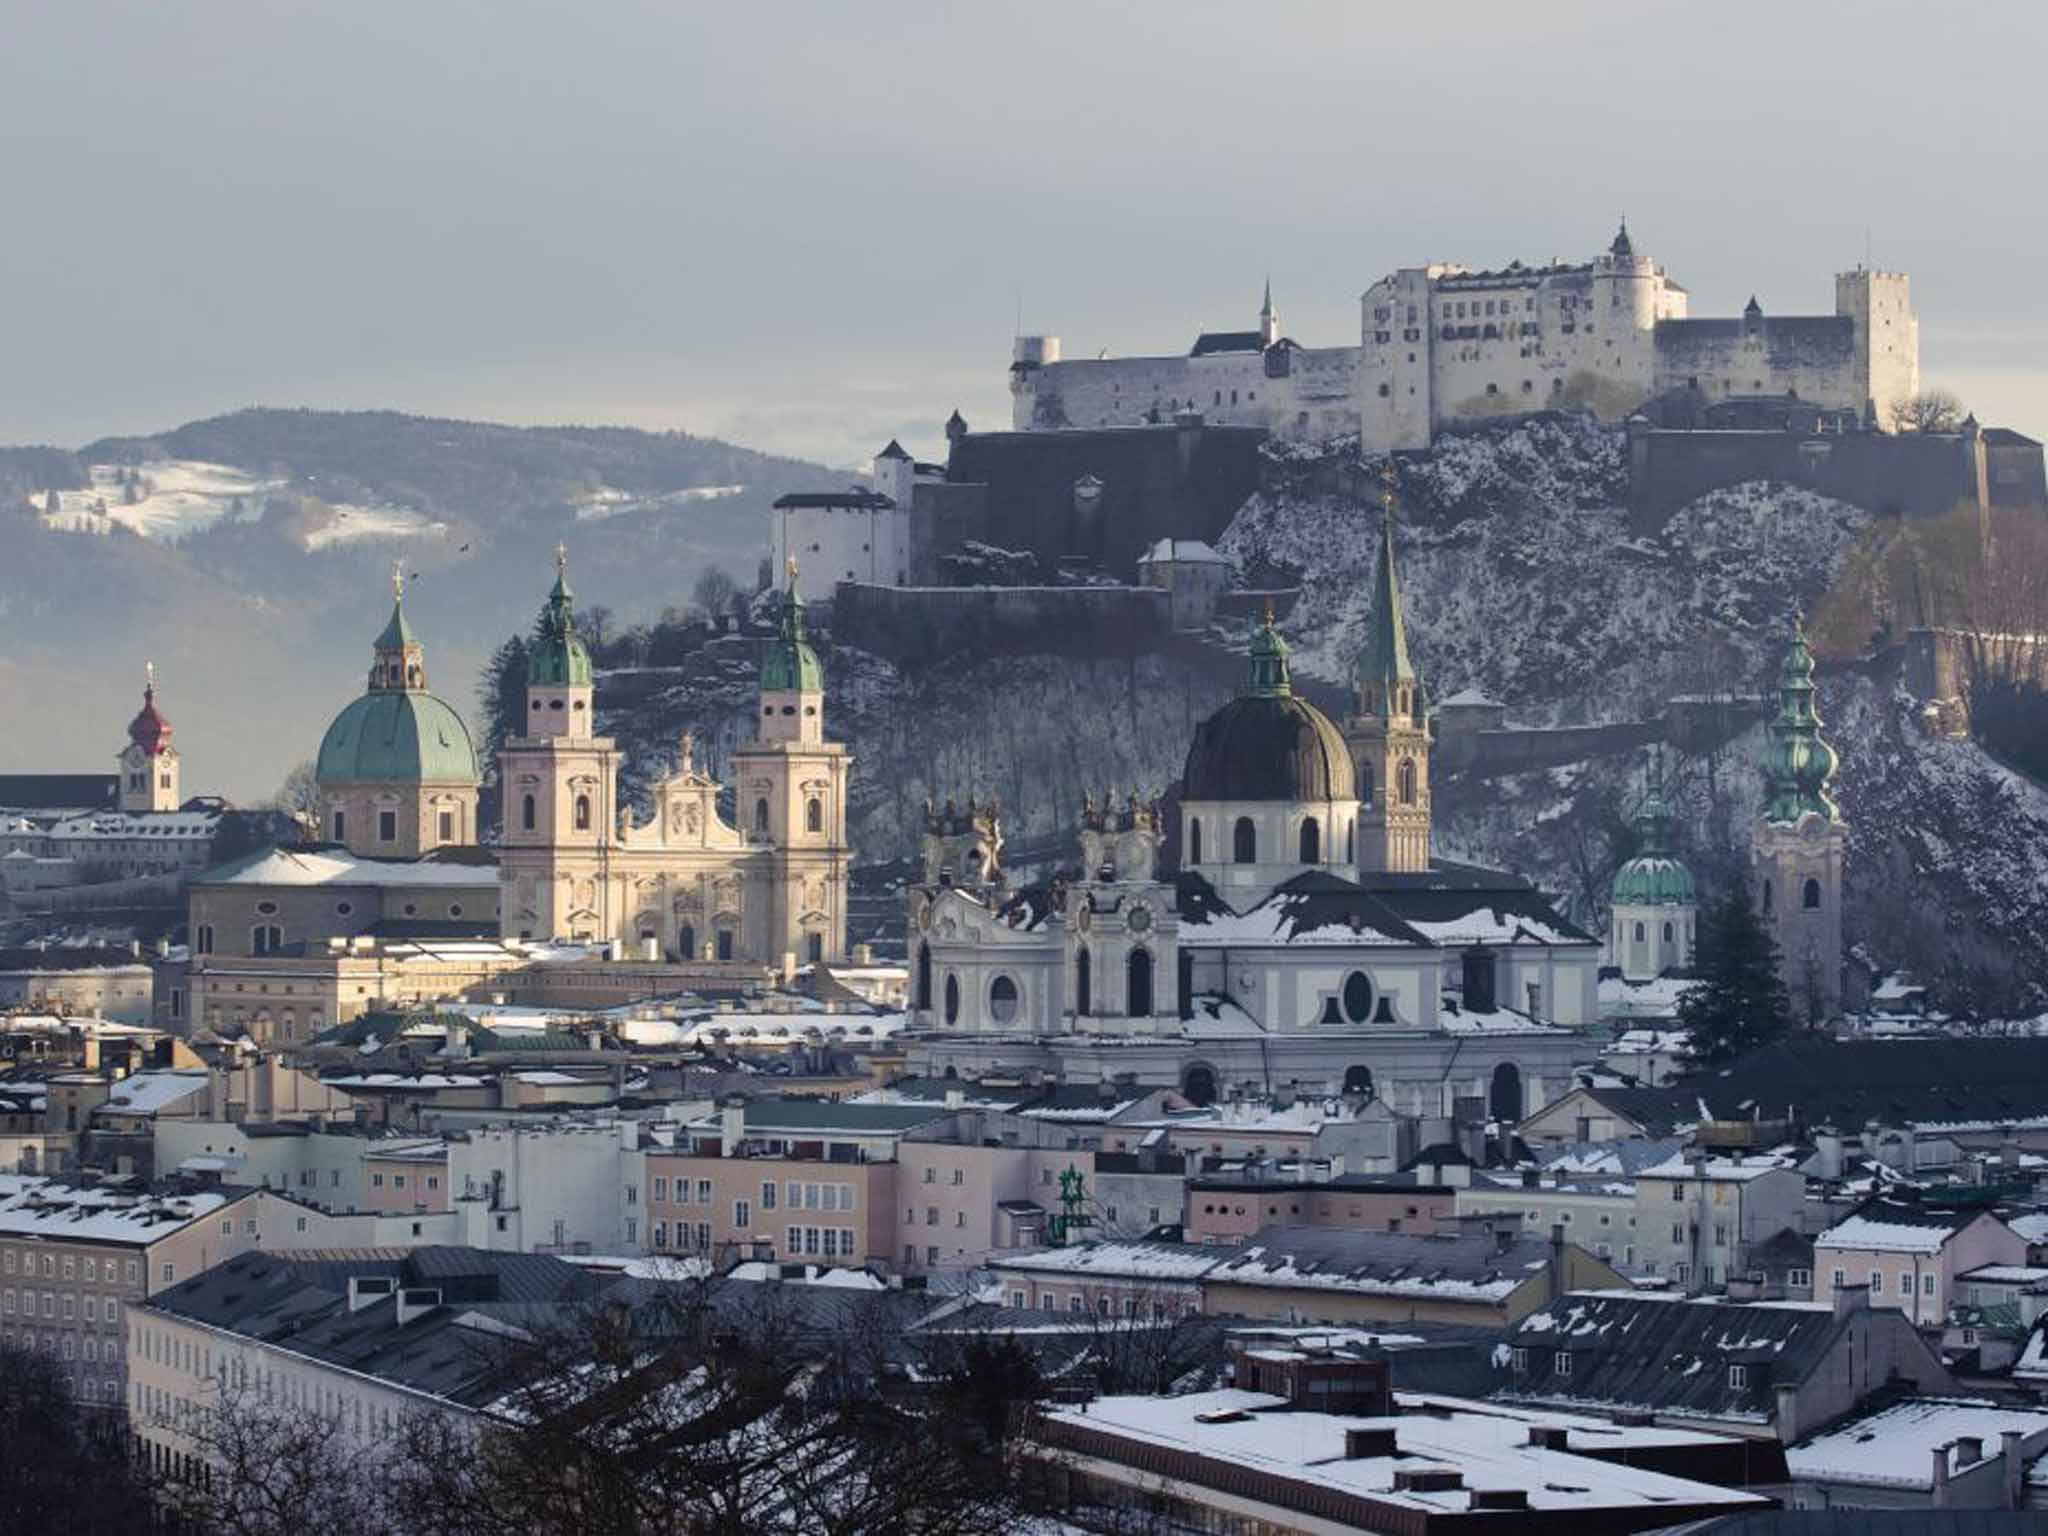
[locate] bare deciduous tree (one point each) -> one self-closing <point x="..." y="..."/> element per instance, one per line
<point x="1932" y="410"/>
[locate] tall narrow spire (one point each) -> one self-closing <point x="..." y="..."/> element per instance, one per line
<point x="1269" y="318"/>
<point x="1387" y="683"/>
<point x="1799" y="765"/>
<point x="1267" y="307"/>
<point x="1269" y="674"/>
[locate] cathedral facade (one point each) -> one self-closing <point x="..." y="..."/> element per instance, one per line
<point x="685" y="885"/>
<point x="1306" y="939"/>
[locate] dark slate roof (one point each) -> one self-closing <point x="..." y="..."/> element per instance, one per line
<point x="59" y="791"/>
<point x="1672" y="1355"/>
<point x="302" y="1306"/>
<point x="1818" y="1080"/>
<point x="769" y="1115"/>
<point x="1313" y="901"/>
<point x="2006" y="437"/>
<point x="1331" y="1256"/>
<point x="1208" y="343"/>
<point x="1267" y="747"/>
<point x="1873" y="1522"/>
<point x="1835" y="333"/>
<point x="1783" y="1249"/>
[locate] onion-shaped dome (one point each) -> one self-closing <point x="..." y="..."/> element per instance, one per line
<point x="558" y="658"/>
<point x="1268" y="744"/>
<point x="149" y="730"/>
<point x="1798" y="765"/>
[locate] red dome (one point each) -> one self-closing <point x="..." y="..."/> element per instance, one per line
<point x="149" y="730"/>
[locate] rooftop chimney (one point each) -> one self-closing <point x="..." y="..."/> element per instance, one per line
<point x="1361" y="1444"/>
<point x="1969" y="1450"/>
<point x="416" y="1301"/>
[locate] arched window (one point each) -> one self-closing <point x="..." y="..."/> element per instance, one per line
<point x="1195" y="840"/>
<point x="1667" y="933"/>
<point x="1002" y="999"/>
<point x="1245" y="841"/>
<point x="1365" y="784"/>
<point x="1357" y="997"/>
<point x="1505" y="1101"/>
<point x="1198" y="1085"/>
<point x="1358" y="1080"/>
<point x="1639" y="933"/>
<point x="814" y="947"/>
<point x="1138" y="984"/>
<point x="1084" y="1002"/>
<point x="1404" y="777"/>
<point x="1810" y="898"/>
<point x="1767" y="898"/>
<point x="686" y="942"/>
<point x="952" y="998"/>
<point x="526" y="813"/>
<point x="583" y="813"/>
<point x="341" y="826"/>
<point x="814" y="815"/>
<point x="1477" y="979"/>
<point x="1311" y="841"/>
<point x="761" y="817"/>
<point x="924" y="975"/>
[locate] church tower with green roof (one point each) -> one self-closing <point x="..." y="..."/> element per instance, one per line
<point x="1389" y="734"/>
<point x="1801" y="843"/>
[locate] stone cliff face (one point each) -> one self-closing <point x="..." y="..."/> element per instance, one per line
<point x="1521" y="579"/>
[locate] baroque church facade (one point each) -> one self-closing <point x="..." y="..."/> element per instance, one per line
<point x="686" y="885"/>
<point x="1306" y="938"/>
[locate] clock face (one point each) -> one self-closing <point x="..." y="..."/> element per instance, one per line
<point x="1140" y="919"/>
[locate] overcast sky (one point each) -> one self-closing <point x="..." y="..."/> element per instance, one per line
<point x="808" y="226"/>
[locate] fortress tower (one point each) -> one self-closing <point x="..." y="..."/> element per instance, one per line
<point x="149" y="763"/>
<point x="1389" y="736"/>
<point x="1887" y="338"/>
<point x="1800" y="844"/>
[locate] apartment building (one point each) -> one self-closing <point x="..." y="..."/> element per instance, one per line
<point x="1700" y="1220"/>
<point x="1910" y="1256"/>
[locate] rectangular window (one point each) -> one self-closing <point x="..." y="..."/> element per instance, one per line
<point x="661" y="1188"/>
<point x="387" y="826"/>
<point x="1564" y="1362"/>
<point x="959" y="1176"/>
<point x="1877" y="1282"/>
<point x="703" y="1191"/>
<point x="742" y="1215"/>
<point x="1738" y="1377"/>
<point x="1840" y="1279"/>
<point x="1927" y="1285"/>
<point x="1799" y="1279"/>
<point x="767" y="1194"/>
<point x="447" y="826"/>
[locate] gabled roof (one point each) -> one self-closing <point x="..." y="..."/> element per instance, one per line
<point x="1209" y="343"/>
<point x="1312" y="908"/>
<point x="1896" y="1226"/>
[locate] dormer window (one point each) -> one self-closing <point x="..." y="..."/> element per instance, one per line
<point x="1738" y="1377"/>
<point x="1564" y="1362"/>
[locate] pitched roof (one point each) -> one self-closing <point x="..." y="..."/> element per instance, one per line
<point x="58" y="791"/>
<point x="1209" y="343"/>
<point x="1468" y="1266"/>
<point x="1896" y="1226"/>
<point x="1671" y="1355"/>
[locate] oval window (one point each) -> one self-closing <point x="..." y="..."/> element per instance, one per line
<point x="1002" y="1000"/>
<point x="952" y="999"/>
<point x="1357" y="997"/>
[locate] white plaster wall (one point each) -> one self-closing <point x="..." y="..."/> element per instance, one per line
<point x="835" y="544"/>
<point x="1278" y="825"/>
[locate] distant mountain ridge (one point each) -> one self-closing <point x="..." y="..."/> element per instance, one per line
<point x="259" y="544"/>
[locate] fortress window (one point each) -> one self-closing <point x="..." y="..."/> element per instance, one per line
<point x="583" y="813"/>
<point x="1385" y="391"/>
<point x="1493" y="389"/>
<point x="1195" y="840"/>
<point x="1810" y="897"/>
<point x="526" y="813"/>
<point x="1245" y="841"/>
<point x="814" y="815"/>
<point x="1311" y="841"/>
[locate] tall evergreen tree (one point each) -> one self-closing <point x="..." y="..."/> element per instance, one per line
<point x="1743" y="1003"/>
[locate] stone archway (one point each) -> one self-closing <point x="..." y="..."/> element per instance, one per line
<point x="1504" y="1099"/>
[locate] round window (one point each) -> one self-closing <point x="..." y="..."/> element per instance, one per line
<point x="411" y="910"/>
<point x="1357" y="997"/>
<point x="266" y="907"/>
<point x="455" y="909"/>
<point x="343" y="908"/>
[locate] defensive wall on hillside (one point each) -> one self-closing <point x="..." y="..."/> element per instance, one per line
<point x="1918" y="474"/>
<point x="917" y="624"/>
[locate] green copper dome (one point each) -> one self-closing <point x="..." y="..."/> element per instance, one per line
<point x="559" y="658"/>
<point x="1655" y="877"/>
<point x="397" y="737"/>
<point x="788" y="664"/>
<point x="1798" y="765"/>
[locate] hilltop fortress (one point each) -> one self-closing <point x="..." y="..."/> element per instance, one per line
<point x="1442" y="344"/>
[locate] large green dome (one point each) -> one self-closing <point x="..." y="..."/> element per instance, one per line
<point x="1654" y="880"/>
<point x="402" y="737"/>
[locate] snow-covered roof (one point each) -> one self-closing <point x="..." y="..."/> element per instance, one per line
<point x="1894" y="1447"/>
<point x="1117" y="1261"/>
<point x="1657" y="998"/>
<point x="337" y="866"/>
<point x="1720" y="1170"/>
<point x="138" y="826"/>
<point x="1869" y="1234"/>
<point x="424" y="1081"/>
<point x="2006" y="1274"/>
<point x="1229" y="1428"/>
<point x="35" y="1207"/>
<point x="1469" y="698"/>
<point x="2033" y="1226"/>
<point x="150" y="1093"/>
<point x="1189" y="551"/>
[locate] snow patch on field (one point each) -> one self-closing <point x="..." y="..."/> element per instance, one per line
<point x="175" y="498"/>
<point x="608" y="501"/>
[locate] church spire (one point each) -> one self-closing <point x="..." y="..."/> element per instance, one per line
<point x="559" y="658"/>
<point x="1387" y="682"/>
<point x="400" y="660"/>
<point x="1269" y="318"/>
<point x="1799" y="765"/>
<point x="1269" y="674"/>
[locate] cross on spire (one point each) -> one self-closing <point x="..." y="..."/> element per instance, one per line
<point x="562" y="559"/>
<point x="398" y="581"/>
<point x="149" y="677"/>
